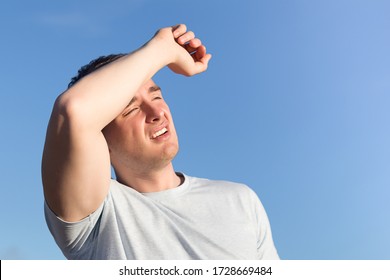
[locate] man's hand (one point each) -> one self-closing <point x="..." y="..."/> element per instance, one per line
<point x="187" y="54"/>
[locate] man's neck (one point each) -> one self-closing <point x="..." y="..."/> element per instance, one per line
<point x="150" y="181"/>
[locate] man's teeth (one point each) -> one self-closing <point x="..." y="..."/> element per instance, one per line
<point x="160" y="132"/>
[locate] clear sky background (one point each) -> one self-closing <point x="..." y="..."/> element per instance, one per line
<point x="295" y="104"/>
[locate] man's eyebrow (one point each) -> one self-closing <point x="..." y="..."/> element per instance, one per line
<point x="150" y="90"/>
<point x="131" y="101"/>
<point x="154" y="88"/>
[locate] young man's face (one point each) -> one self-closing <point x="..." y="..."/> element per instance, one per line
<point x="143" y="136"/>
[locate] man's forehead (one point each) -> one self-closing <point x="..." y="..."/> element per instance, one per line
<point x="149" y="87"/>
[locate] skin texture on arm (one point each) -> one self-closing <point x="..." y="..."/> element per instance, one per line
<point x="76" y="159"/>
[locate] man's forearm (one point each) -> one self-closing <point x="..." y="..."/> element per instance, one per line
<point x="98" y="98"/>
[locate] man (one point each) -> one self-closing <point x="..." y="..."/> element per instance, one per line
<point x="113" y="113"/>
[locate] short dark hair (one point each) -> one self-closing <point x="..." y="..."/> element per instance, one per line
<point x="94" y="65"/>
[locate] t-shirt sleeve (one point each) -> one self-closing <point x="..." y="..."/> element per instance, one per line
<point x="265" y="244"/>
<point x="74" y="238"/>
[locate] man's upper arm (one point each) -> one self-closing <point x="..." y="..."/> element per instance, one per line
<point x="75" y="166"/>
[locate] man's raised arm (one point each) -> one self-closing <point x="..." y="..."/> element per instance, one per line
<point x="76" y="162"/>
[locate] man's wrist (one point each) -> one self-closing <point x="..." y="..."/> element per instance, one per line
<point x="162" y="50"/>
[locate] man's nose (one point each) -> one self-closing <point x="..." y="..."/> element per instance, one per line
<point x="153" y="113"/>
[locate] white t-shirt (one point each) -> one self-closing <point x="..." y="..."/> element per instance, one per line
<point x="200" y="219"/>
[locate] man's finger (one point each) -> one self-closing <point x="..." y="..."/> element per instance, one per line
<point x="186" y="37"/>
<point x="195" y="43"/>
<point x="179" y="30"/>
<point x="200" y="53"/>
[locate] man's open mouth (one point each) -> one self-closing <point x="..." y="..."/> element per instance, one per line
<point x="159" y="133"/>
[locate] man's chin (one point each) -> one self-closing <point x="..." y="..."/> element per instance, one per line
<point x="170" y="153"/>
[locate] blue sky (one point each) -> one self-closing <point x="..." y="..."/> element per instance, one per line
<point x="295" y="104"/>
